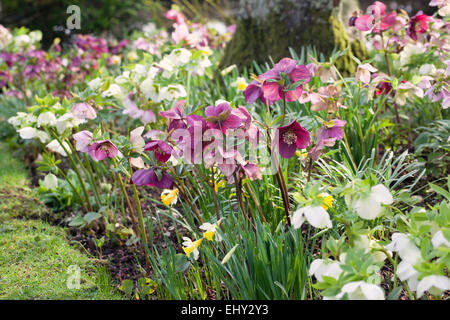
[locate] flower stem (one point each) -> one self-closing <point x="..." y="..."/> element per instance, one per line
<point x="216" y="203"/>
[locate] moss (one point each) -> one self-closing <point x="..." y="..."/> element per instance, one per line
<point x="35" y="256"/>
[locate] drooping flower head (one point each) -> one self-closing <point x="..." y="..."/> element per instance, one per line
<point x="221" y="117"/>
<point x="417" y="25"/>
<point x="290" y="138"/>
<point x="148" y="177"/>
<point x="100" y="150"/>
<point x="83" y="111"/>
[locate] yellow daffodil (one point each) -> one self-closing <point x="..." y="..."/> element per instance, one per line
<point x="210" y="230"/>
<point x="218" y="185"/>
<point x="240" y="83"/>
<point x="206" y="51"/>
<point x="301" y="155"/>
<point x="190" y="246"/>
<point x="327" y="201"/>
<point x="132" y="56"/>
<point x="169" y="197"/>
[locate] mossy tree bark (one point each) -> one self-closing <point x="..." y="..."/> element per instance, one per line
<point x="270" y="27"/>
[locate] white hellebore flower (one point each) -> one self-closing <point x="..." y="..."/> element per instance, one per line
<point x="433" y="284"/>
<point x="370" y="207"/>
<point x="405" y="247"/>
<point x="360" y="290"/>
<point x="115" y="91"/>
<point x="54" y="146"/>
<point x="328" y="268"/>
<point x="316" y="216"/>
<point x="67" y="121"/>
<point x="30" y="133"/>
<point x="95" y="84"/>
<point x="439" y="240"/>
<point x="172" y="92"/>
<point x="406" y="272"/>
<point x="46" y="118"/>
<point x="50" y="182"/>
<point x="372" y="246"/>
<point x="150" y="89"/>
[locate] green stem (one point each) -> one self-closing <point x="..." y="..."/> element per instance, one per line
<point x="75" y="168"/>
<point x="74" y="189"/>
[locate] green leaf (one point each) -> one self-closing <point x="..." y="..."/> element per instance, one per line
<point x="181" y="262"/>
<point x="91" y="216"/>
<point x="77" y="222"/>
<point x="394" y="294"/>
<point x="440" y="191"/>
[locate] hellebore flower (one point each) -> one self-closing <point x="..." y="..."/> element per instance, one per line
<point x="328" y="268"/>
<point x="316" y="216"/>
<point x="377" y="21"/>
<point x="83" y="111"/>
<point x="148" y="177"/>
<point x="433" y="284"/>
<point x="162" y="149"/>
<point x="290" y="138"/>
<point x="405" y="247"/>
<point x="50" y="182"/>
<point x="55" y="146"/>
<point x="417" y="25"/>
<point x="83" y="139"/>
<point x="363" y="72"/>
<point x="360" y="290"/>
<point x="46" y="118"/>
<point x="370" y="207"/>
<point x="254" y="91"/>
<point x="100" y="150"/>
<point x="175" y="116"/>
<point x="275" y="80"/>
<point x="221" y="117"/>
<point x="332" y="130"/>
<point x="30" y="133"/>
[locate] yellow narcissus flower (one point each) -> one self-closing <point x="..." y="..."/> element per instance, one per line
<point x="327" y="201"/>
<point x="301" y="155"/>
<point x="210" y="230"/>
<point x="206" y="51"/>
<point x="132" y="56"/>
<point x="240" y="83"/>
<point x="169" y="197"/>
<point x="218" y="185"/>
<point x="190" y="246"/>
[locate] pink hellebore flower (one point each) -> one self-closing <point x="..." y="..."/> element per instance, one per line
<point x="274" y="85"/>
<point x="175" y="15"/>
<point x="363" y="72"/>
<point x="290" y="138"/>
<point x="162" y="149"/>
<point x="253" y="92"/>
<point x="332" y="130"/>
<point x="221" y="117"/>
<point x="100" y="150"/>
<point x="83" y="111"/>
<point x="83" y="140"/>
<point x="148" y="177"/>
<point x="377" y="20"/>
<point x="417" y="25"/>
<point x="176" y="116"/>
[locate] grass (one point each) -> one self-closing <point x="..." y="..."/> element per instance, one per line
<point x="35" y="256"/>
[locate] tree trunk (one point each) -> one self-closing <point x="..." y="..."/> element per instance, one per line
<point x="269" y="27"/>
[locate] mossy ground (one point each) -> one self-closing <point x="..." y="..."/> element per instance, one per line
<point x="35" y="256"/>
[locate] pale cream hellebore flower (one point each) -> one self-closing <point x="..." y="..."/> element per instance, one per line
<point x="406" y="272"/>
<point x="46" y="118"/>
<point x="361" y="290"/>
<point x="67" y="121"/>
<point x="150" y="89"/>
<point x="370" y="207"/>
<point x="31" y="133"/>
<point x="54" y="146"/>
<point x="433" y="284"/>
<point x="328" y="268"/>
<point x="363" y="73"/>
<point x="115" y="91"/>
<point x="172" y="92"/>
<point x="191" y="247"/>
<point x="439" y="240"/>
<point x="316" y="216"/>
<point x="50" y="182"/>
<point x="95" y="84"/>
<point x="371" y="246"/>
<point x="405" y="247"/>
